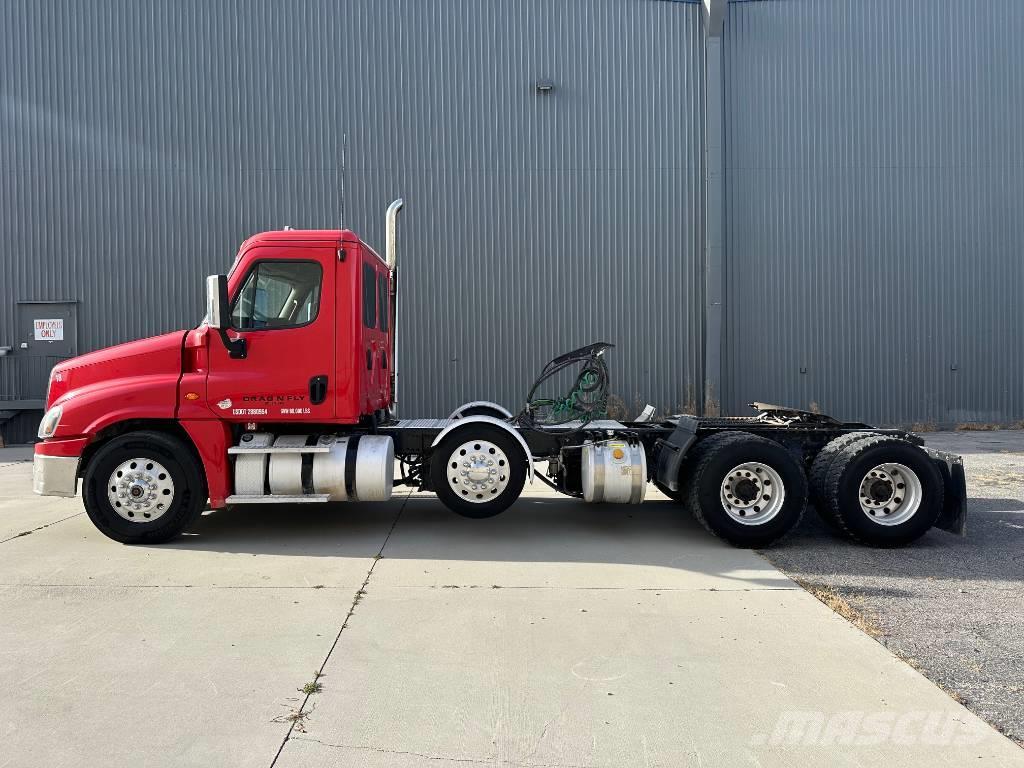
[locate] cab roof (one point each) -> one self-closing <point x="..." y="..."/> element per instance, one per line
<point x="306" y="237"/>
<point x="302" y="236"/>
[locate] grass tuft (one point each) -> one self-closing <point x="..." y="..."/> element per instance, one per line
<point x="855" y="615"/>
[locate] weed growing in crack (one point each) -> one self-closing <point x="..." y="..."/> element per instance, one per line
<point x="314" y="685"/>
<point x="296" y="718"/>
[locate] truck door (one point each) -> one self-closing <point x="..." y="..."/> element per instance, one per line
<point x="279" y="306"/>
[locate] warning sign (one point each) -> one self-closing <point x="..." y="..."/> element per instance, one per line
<point x="49" y="330"/>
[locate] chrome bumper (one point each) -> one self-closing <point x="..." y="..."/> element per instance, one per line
<point x="55" y="475"/>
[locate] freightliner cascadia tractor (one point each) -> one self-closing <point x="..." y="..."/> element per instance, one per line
<point x="287" y="394"/>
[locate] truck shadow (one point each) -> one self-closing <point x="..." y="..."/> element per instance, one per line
<point x="659" y="534"/>
<point x="540" y="530"/>
<point x="992" y="550"/>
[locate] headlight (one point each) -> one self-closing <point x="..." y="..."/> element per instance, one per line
<point x="49" y="423"/>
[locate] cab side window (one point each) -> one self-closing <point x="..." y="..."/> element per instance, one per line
<point x="382" y="303"/>
<point x="278" y="294"/>
<point x="369" y="296"/>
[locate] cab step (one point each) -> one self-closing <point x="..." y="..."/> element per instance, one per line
<point x="236" y="449"/>
<point x="307" y="498"/>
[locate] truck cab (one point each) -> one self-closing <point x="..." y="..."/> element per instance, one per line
<point x="308" y="339"/>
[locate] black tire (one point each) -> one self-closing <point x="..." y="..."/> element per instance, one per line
<point x="187" y="499"/>
<point x="709" y="466"/>
<point x="489" y="505"/>
<point x="843" y="485"/>
<point x="821" y="465"/>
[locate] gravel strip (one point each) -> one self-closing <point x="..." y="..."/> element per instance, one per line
<point x="952" y="607"/>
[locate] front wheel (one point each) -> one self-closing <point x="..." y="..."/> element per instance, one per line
<point x="478" y="470"/>
<point x="143" y="488"/>
<point x="744" y="488"/>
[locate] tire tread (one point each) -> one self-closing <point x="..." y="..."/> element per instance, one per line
<point x="834" y="476"/>
<point x="818" y="476"/>
<point x="702" y="455"/>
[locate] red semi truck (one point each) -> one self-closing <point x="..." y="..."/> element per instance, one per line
<point x="287" y="393"/>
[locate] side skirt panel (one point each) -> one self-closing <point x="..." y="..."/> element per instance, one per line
<point x="212" y="439"/>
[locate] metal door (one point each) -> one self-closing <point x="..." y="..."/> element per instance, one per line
<point x="47" y="333"/>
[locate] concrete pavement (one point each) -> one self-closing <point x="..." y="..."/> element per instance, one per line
<point x="557" y="634"/>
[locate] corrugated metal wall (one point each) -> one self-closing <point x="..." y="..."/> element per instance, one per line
<point x="875" y="190"/>
<point x="142" y="142"/>
<point x="874" y="183"/>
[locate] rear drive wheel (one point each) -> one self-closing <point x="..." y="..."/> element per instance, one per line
<point x="823" y="463"/>
<point x="744" y="488"/>
<point x="883" y="491"/>
<point x="143" y="488"/>
<point x="478" y="470"/>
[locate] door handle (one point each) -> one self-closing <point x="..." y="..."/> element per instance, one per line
<point x="317" y="390"/>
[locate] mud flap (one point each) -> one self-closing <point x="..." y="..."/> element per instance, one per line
<point x="953" y="517"/>
<point x="670" y="452"/>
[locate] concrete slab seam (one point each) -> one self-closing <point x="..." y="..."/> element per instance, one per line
<point x="41" y="527"/>
<point x="355" y="601"/>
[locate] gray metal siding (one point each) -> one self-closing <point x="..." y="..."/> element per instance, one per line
<point x="144" y="141"/>
<point x="875" y="189"/>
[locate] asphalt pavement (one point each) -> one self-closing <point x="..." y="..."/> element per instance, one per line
<point x="952" y="606"/>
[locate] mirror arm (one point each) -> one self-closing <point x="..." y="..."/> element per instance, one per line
<point x="236" y="347"/>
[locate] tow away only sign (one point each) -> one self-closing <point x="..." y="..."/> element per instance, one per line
<point x="49" y="330"/>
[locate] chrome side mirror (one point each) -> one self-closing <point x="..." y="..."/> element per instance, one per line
<point x="217" y="319"/>
<point x="217" y="302"/>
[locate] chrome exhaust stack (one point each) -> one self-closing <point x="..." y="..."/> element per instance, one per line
<point x="391" y="232"/>
<point x="391" y="257"/>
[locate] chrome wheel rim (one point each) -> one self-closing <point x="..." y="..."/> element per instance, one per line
<point x="752" y="493"/>
<point x="140" y="490"/>
<point x="478" y="471"/>
<point x="890" y="494"/>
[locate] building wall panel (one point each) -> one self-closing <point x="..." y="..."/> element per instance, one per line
<point x="875" y="178"/>
<point x="144" y="141"/>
